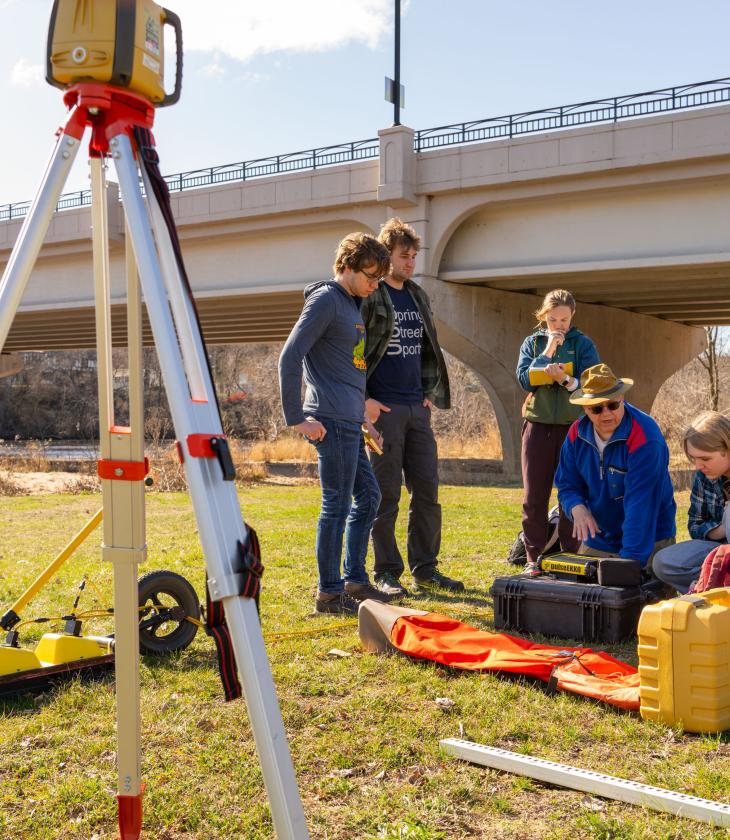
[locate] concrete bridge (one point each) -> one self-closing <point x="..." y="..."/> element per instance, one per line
<point x="632" y="216"/>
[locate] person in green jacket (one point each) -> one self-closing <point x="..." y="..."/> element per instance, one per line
<point x="549" y="367"/>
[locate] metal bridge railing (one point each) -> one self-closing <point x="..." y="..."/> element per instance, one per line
<point x="582" y="113"/>
<point x="275" y="165"/>
<point x="612" y="109"/>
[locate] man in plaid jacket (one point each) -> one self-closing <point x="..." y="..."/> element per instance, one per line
<point x="406" y="376"/>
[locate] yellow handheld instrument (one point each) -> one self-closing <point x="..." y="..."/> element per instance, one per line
<point x="116" y="42"/>
<point x="539" y="377"/>
<point x="370" y="442"/>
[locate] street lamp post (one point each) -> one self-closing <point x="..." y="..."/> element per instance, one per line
<point x="396" y="69"/>
<point x="394" y="91"/>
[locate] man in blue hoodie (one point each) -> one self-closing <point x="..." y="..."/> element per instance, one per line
<point x="613" y="477"/>
<point x="327" y="344"/>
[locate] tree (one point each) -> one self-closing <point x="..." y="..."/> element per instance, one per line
<point x="709" y="359"/>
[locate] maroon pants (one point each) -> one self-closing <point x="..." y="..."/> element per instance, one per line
<point x="541" y="444"/>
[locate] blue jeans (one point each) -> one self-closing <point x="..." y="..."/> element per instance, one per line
<point x="350" y="499"/>
<point x="680" y="565"/>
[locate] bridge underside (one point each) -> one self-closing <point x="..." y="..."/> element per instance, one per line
<point x="695" y="294"/>
<point x="692" y="294"/>
<point x="224" y="320"/>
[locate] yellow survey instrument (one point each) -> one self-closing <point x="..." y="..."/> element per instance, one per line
<point x="116" y="42"/>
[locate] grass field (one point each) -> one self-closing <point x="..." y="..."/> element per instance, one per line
<point x="363" y="729"/>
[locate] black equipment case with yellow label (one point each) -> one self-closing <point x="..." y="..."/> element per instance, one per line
<point x="569" y="606"/>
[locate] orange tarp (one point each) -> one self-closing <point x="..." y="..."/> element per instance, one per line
<point x="579" y="670"/>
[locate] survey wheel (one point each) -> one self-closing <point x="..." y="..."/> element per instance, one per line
<point x="166" y="600"/>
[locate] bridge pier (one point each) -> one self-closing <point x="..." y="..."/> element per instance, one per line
<point x="484" y="328"/>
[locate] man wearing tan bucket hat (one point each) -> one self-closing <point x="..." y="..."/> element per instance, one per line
<point x="613" y="477"/>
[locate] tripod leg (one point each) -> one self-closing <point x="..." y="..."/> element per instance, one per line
<point x="33" y="232"/>
<point x="215" y="501"/>
<point x="121" y="448"/>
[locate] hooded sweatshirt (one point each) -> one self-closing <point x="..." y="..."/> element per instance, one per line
<point x="328" y="344"/>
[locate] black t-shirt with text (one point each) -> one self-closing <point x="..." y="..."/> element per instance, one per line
<point x="397" y="378"/>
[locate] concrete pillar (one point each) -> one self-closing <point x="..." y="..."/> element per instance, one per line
<point x="484" y="329"/>
<point x="10" y="364"/>
<point x="397" y="181"/>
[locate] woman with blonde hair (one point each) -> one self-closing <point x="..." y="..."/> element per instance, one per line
<point x="707" y="445"/>
<point x="549" y="367"/>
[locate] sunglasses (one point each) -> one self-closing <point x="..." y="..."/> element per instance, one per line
<point x="614" y="405"/>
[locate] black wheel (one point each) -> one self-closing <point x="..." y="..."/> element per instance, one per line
<point x="165" y="600"/>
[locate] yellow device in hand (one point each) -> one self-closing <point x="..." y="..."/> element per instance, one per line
<point x="539" y="377"/>
<point x="370" y="442"/>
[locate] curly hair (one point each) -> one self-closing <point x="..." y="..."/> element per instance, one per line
<point x="361" y="250"/>
<point x="396" y="232"/>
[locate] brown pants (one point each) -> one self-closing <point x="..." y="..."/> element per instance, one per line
<point x="541" y="444"/>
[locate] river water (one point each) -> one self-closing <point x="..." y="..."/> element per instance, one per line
<point x="68" y="450"/>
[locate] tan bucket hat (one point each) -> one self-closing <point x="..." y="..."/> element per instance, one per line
<point x="598" y="384"/>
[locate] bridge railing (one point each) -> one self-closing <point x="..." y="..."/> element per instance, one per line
<point x="275" y="165"/>
<point x="613" y="109"/>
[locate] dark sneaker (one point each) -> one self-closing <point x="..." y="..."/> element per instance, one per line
<point x="338" y="603"/>
<point x="363" y="591"/>
<point x="390" y="584"/>
<point x="518" y="553"/>
<point x="438" y="581"/>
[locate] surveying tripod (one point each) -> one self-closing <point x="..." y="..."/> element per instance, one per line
<point x="120" y="123"/>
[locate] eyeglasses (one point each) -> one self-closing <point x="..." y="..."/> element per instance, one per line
<point x="373" y="278"/>
<point x="614" y="405"/>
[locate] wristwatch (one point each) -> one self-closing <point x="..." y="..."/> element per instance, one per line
<point x="566" y="381"/>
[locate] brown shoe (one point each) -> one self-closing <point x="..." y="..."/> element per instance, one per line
<point x="363" y="591"/>
<point x="337" y="603"/>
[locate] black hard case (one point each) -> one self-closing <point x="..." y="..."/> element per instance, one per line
<point x="570" y="609"/>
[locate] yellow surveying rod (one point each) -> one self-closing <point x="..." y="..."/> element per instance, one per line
<point x="12" y="616"/>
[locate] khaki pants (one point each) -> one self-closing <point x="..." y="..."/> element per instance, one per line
<point x="594" y="552"/>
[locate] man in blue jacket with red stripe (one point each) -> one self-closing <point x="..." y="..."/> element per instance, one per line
<point x="613" y="477"/>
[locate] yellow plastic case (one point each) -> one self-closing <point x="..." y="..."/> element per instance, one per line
<point x="539" y="377"/>
<point x="684" y="661"/>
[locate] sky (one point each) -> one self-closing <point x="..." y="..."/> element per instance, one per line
<point x="265" y="78"/>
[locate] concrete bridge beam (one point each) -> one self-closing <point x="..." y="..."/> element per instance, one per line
<point x="484" y="329"/>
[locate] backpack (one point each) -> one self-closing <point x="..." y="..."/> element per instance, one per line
<point x="518" y="553"/>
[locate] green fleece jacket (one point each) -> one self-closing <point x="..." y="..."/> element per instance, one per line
<point x="551" y="403"/>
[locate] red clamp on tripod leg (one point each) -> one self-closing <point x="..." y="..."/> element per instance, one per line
<point x="213" y="446"/>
